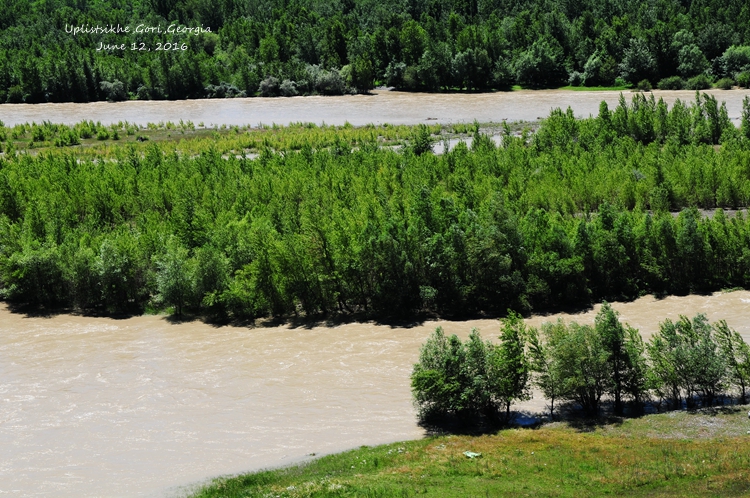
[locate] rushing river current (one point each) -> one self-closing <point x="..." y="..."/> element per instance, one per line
<point x="143" y="407"/>
<point x="381" y="107"/>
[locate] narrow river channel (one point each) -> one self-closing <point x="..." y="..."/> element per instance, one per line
<point x="381" y="107"/>
<point x="143" y="407"/>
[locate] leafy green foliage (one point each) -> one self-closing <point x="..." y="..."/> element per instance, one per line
<point x="474" y="378"/>
<point x="736" y="355"/>
<point x="327" y="220"/>
<point x="333" y="48"/>
<point x="582" y="363"/>
<point x="700" y="82"/>
<point x="174" y="276"/>
<point x="725" y="83"/>
<point x="644" y="86"/>
<point x="686" y="361"/>
<point x="690" y="359"/>
<point x="638" y="62"/>
<point x="671" y="83"/>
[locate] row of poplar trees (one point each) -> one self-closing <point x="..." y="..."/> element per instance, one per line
<point x="688" y="362"/>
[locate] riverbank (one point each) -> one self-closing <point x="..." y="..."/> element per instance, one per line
<point x="678" y="453"/>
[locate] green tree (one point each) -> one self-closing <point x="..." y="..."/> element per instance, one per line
<point x="362" y="74"/>
<point x="421" y="141"/>
<point x="541" y="65"/>
<point x="174" y="275"/>
<point x="736" y="354"/>
<point x="612" y="333"/>
<point x="413" y="42"/>
<point x="691" y="61"/>
<point x="745" y="123"/>
<point x="638" y="62"/>
<point x="582" y="363"/>
<point x="509" y="369"/>
<point x="635" y="378"/>
<point x="544" y="364"/>
<point x="118" y="273"/>
<point x="438" y="379"/>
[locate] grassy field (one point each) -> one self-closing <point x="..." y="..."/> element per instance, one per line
<point x="596" y="88"/>
<point x="701" y="453"/>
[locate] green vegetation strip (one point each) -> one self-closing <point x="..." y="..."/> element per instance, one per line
<point x="639" y="457"/>
<point x="244" y="223"/>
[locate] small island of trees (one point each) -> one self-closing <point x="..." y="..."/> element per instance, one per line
<point x="325" y="220"/>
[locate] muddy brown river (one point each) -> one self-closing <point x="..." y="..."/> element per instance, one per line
<point x="381" y="107"/>
<point x="143" y="407"/>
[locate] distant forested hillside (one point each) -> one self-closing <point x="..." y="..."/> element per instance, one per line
<point x="290" y="47"/>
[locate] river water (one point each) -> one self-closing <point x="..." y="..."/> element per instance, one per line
<point x="141" y="406"/>
<point x="381" y="107"/>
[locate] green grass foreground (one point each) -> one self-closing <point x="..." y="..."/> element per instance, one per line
<point x="700" y="453"/>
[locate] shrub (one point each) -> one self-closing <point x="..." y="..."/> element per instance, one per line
<point x="421" y="140"/>
<point x="743" y="79"/>
<point x="269" y="87"/>
<point x="725" y="83"/>
<point x="288" y="88"/>
<point x="114" y="91"/>
<point x="700" y="82"/>
<point x="15" y="94"/>
<point x="671" y="83"/>
<point x="67" y="137"/>
<point x="33" y="276"/>
<point x="438" y="380"/>
<point x="575" y="79"/>
<point x="644" y="86"/>
<point x="174" y="276"/>
<point x="143" y="93"/>
<point x="222" y="91"/>
<point x="330" y="83"/>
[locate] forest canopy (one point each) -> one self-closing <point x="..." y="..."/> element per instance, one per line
<point x="325" y="219"/>
<point x="296" y="47"/>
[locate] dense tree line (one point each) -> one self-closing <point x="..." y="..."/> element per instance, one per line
<point x="578" y="212"/>
<point x="690" y="361"/>
<point x="275" y="47"/>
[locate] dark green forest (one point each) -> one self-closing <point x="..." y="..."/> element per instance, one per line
<point x="579" y="211"/>
<point x="297" y="47"/>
